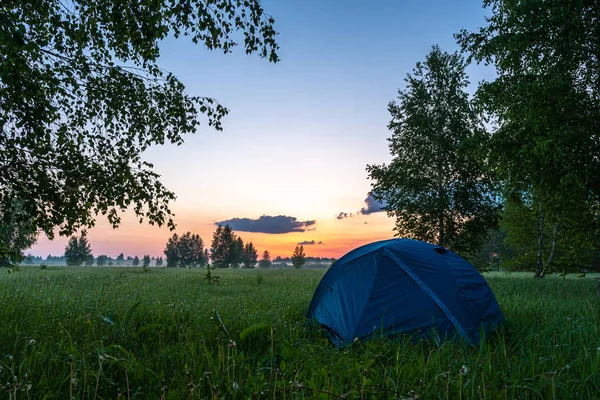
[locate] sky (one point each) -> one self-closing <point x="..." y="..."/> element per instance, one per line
<point x="292" y="155"/>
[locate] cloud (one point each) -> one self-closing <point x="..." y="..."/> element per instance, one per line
<point x="343" y="215"/>
<point x="269" y="224"/>
<point x="372" y="206"/>
<point x="309" y="242"/>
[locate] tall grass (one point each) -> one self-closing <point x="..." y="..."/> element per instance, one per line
<point x="106" y="333"/>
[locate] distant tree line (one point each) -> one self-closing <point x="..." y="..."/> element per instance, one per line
<point x="78" y="252"/>
<point x="227" y="250"/>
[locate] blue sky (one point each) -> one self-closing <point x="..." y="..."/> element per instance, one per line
<point x="300" y="132"/>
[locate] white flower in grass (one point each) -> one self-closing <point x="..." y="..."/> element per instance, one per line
<point x="235" y="386"/>
<point x="464" y="370"/>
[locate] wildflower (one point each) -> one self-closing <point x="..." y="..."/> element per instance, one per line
<point x="235" y="386"/>
<point x="231" y="343"/>
<point x="32" y="342"/>
<point x="464" y="370"/>
<point x="412" y="395"/>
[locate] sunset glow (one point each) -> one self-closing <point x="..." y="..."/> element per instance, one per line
<point x="300" y="133"/>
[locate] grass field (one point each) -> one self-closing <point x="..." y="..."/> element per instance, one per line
<point x="106" y="333"/>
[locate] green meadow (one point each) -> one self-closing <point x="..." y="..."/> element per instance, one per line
<point x="121" y="333"/>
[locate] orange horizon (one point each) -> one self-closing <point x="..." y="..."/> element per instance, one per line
<point x="131" y="238"/>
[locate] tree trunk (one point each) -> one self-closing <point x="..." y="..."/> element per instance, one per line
<point x="551" y="250"/>
<point x="539" y="265"/>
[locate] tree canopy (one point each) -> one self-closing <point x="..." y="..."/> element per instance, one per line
<point x="186" y="250"/>
<point x="16" y="234"/>
<point x="435" y="185"/>
<point x="82" y="96"/>
<point x="102" y="260"/>
<point x="78" y="251"/>
<point x="545" y="108"/>
<point x="265" y="261"/>
<point x="224" y="247"/>
<point x="249" y="255"/>
<point x="298" y="257"/>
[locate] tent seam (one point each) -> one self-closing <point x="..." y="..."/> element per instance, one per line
<point x="426" y="289"/>
<point x="378" y="254"/>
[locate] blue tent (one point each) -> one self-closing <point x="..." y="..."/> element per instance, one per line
<point x="404" y="286"/>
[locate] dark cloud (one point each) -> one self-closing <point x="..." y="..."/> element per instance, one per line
<point x="343" y="215"/>
<point x="269" y="224"/>
<point x="372" y="206"/>
<point x="309" y="242"/>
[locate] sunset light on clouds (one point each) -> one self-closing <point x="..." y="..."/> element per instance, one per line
<point x="289" y="166"/>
